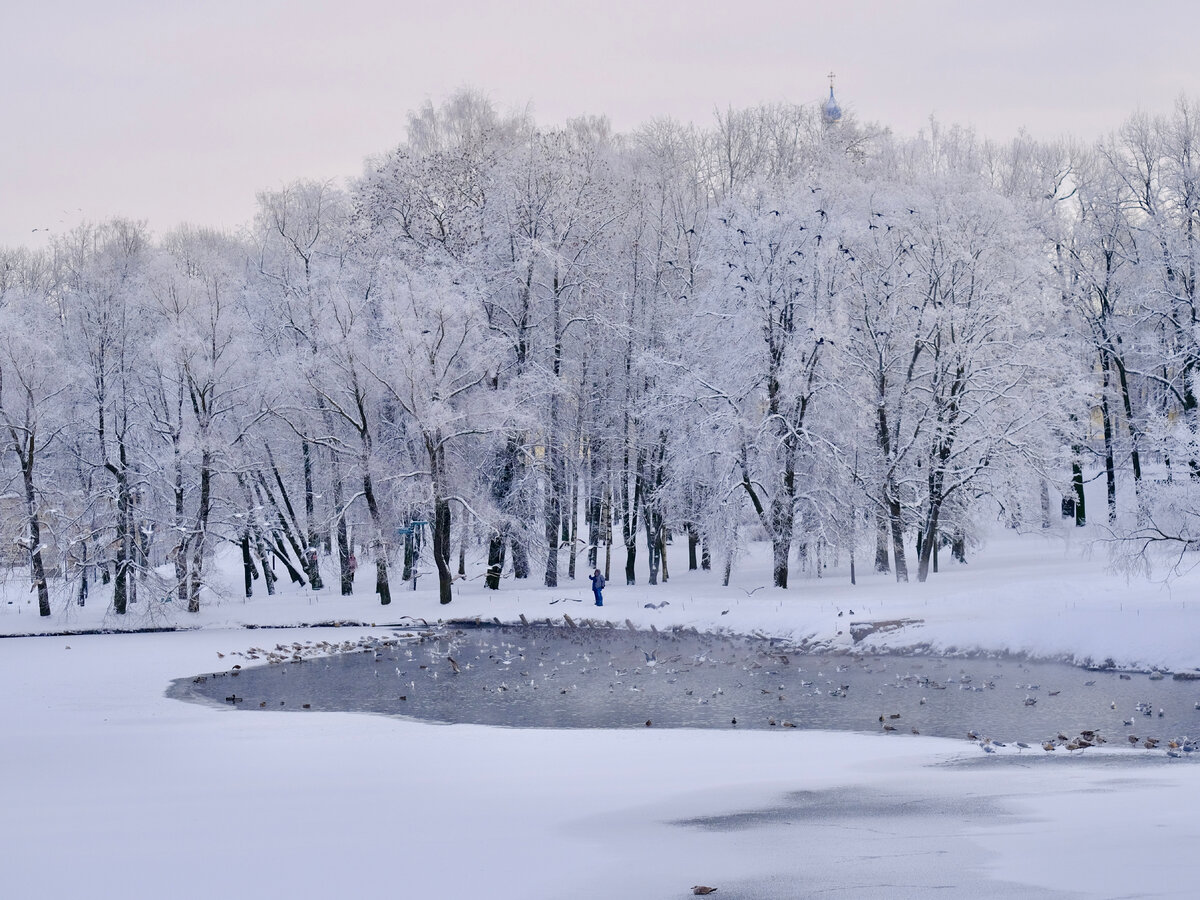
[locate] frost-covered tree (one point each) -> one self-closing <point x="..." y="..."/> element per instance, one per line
<point x="36" y="381"/>
<point x="102" y="296"/>
<point x="773" y="268"/>
<point x="556" y="339"/>
<point x="198" y="381"/>
<point x="300" y="244"/>
<point x="431" y="360"/>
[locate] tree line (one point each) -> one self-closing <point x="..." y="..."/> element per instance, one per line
<point x="564" y="346"/>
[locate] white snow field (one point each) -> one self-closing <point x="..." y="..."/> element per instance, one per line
<point x="112" y="789"/>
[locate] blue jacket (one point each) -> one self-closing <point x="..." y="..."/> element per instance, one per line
<point x="597" y="582"/>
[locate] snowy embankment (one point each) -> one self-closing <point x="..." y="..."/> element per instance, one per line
<point x="1046" y="594"/>
<point x="112" y="789"/>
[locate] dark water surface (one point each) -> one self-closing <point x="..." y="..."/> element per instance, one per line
<point x="542" y="677"/>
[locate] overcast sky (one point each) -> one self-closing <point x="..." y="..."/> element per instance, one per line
<point x="181" y="111"/>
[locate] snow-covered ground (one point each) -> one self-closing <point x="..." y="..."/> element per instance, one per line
<point x="113" y="789"/>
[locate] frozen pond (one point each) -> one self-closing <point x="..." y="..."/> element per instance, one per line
<point x="542" y="677"/>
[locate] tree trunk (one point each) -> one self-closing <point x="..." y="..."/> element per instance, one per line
<point x="121" y="563"/>
<point x="181" y="547"/>
<point x="881" y="542"/>
<point x="462" y="551"/>
<point x="606" y="525"/>
<point x="314" y="574"/>
<point x="284" y="530"/>
<point x="550" y="510"/>
<point x="573" y="516"/>
<point x="891" y="498"/>
<point x="441" y="549"/>
<point x="382" y="588"/>
<point x="1135" y="456"/>
<point x="937" y="466"/>
<point x="267" y="569"/>
<point x="441" y="515"/>
<point x="652" y="499"/>
<point x="553" y="486"/>
<point x="346" y="576"/>
<point x="897" y="527"/>
<point x="652" y="545"/>
<point x="782" y="525"/>
<point x="780" y="549"/>
<point x="593" y="510"/>
<point x="928" y="540"/>
<point x="507" y="465"/>
<point x="555" y="481"/>
<point x="83" y="575"/>
<point x="607" y="532"/>
<point x="291" y="524"/>
<point x="1077" y="484"/>
<point x="520" y="557"/>
<point x="37" y="569"/>
<point x="408" y="573"/>
<point x="629" y="524"/>
<point x="248" y="571"/>
<point x="199" y="538"/>
<point x="1110" y="473"/>
<point x="254" y="527"/>
<point x="201" y="533"/>
<point x="496" y="558"/>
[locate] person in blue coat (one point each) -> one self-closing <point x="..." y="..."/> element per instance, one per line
<point x="597" y="587"/>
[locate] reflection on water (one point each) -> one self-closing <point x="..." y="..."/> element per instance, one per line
<point x="608" y="678"/>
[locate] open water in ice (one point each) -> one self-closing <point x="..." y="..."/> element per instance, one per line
<point x="544" y="677"/>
